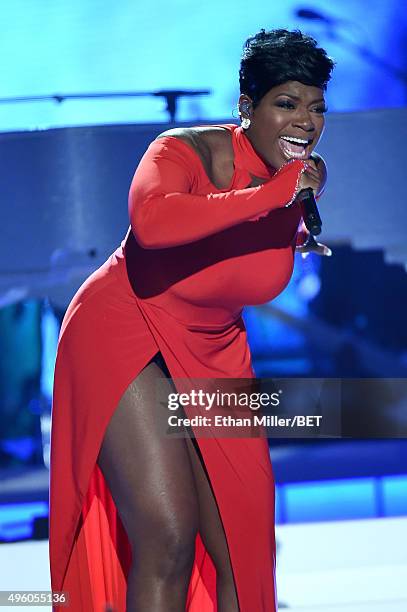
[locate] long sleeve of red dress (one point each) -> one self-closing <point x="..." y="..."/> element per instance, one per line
<point x="164" y="212"/>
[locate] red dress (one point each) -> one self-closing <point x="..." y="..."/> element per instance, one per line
<point x="192" y="258"/>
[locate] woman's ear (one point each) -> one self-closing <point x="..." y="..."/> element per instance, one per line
<point x="245" y="104"/>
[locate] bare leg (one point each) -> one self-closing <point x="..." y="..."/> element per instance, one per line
<point x="213" y="535"/>
<point x="210" y="525"/>
<point x="153" y="486"/>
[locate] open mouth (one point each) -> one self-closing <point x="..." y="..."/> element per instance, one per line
<point x="295" y="148"/>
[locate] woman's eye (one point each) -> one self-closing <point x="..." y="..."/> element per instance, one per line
<point x="285" y="104"/>
<point x="289" y="105"/>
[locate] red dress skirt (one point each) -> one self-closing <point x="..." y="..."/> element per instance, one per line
<point x="193" y="257"/>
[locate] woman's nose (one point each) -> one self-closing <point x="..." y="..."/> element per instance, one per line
<point x="304" y="119"/>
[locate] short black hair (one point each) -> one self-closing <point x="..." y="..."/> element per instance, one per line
<point x="272" y="58"/>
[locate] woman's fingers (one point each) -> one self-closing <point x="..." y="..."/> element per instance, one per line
<point x="326" y="250"/>
<point x="317" y="247"/>
<point x="310" y="171"/>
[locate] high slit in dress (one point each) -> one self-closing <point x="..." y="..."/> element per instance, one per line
<point x="193" y="257"/>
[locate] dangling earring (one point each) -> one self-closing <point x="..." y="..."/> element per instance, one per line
<point x="245" y="121"/>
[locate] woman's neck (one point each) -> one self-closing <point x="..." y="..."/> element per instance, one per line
<point x="248" y="158"/>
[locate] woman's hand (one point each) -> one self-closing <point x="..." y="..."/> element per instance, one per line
<point x="315" y="175"/>
<point x="312" y="246"/>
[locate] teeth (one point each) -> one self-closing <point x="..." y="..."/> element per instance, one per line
<point x="289" y="153"/>
<point x="297" y="155"/>
<point x="292" y="139"/>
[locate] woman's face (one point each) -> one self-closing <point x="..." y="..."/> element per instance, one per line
<point x="290" y="110"/>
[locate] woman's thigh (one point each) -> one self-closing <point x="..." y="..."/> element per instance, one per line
<point x="149" y="474"/>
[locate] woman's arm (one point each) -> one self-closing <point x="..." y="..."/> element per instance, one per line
<point x="163" y="212"/>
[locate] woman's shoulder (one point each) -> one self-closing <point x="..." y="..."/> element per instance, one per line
<point x="212" y="143"/>
<point x="207" y="140"/>
<point x="202" y="134"/>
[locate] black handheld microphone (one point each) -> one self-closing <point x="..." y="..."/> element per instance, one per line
<point x="309" y="210"/>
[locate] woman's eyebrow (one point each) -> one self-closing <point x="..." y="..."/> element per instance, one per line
<point x="283" y="93"/>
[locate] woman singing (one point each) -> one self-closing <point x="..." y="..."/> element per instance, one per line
<point x="140" y="521"/>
